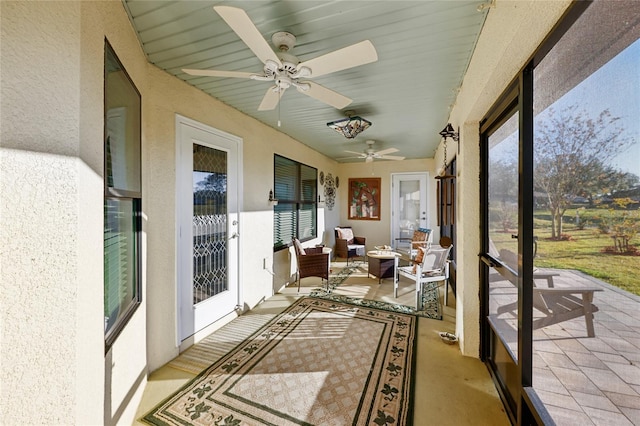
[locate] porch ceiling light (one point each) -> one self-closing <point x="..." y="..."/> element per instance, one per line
<point x="351" y="126"/>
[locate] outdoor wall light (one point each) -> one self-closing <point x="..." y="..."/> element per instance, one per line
<point x="272" y="201"/>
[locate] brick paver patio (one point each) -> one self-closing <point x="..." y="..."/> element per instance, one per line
<point x="584" y="380"/>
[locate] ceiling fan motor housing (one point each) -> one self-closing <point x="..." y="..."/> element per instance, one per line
<point x="283" y="41"/>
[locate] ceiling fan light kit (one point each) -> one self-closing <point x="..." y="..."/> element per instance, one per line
<point x="283" y="68"/>
<point x="350" y="127"/>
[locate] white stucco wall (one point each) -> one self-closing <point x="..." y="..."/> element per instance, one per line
<point x="51" y="349"/>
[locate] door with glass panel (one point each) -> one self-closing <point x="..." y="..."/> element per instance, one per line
<point x="208" y="226"/>
<point x="409" y="205"/>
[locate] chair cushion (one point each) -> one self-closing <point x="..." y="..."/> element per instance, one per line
<point x="419" y="258"/>
<point x="421" y="234"/>
<point x="346" y="234"/>
<point x="298" y="247"/>
<point x="358" y="248"/>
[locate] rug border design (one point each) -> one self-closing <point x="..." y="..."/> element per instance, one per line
<point x="430" y="297"/>
<point x="402" y="407"/>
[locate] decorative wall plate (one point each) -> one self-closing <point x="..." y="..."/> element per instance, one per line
<point x="329" y="192"/>
<point x="321" y="178"/>
<point x="337" y="181"/>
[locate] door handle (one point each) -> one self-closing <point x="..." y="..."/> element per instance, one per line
<point x="234" y="235"/>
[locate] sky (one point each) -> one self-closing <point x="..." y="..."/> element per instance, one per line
<point x="616" y="86"/>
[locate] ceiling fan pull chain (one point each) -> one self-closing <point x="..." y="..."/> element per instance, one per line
<point x="279" y="102"/>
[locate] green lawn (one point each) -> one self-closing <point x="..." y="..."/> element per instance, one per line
<point x="584" y="251"/>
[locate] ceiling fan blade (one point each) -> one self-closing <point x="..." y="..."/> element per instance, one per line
<point x="386" y="151"/>
<point x="270" y="100"/>
<point x="341" y="59"/>
<point x="325" y="95"/>
<point x="242" y="25"/>
<point x="218" y="73"/>
<point x="359" y="154"/>
<point x="390" y="157"/>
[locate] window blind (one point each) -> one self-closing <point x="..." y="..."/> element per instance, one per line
<point x="295" y="188"/>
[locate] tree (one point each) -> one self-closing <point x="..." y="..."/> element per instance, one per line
<point x="211" y="191"/>
<point x="606" y="180"/>
<point x="572" y="152"/>
<point x="214" y="182"/>
<point x="503" y="191"/>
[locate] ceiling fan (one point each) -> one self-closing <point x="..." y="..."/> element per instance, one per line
<point x="369" y="154"/>
<point x="283" y="68"/>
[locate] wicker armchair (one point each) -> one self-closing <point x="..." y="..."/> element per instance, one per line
<point x="312" y="262"/>
<point x="347" y="245"/>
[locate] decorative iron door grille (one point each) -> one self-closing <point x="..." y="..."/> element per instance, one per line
<point x="210" y="261"/>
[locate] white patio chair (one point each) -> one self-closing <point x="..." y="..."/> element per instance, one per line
<point x="432" y="267"/>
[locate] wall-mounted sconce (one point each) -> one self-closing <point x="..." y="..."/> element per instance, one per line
<point x="272" y="201"/>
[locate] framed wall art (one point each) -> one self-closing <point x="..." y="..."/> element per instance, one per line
<point x="364" y="198"/>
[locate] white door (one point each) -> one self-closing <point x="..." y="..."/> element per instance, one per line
<point x="409" y="205"/>
<point x="207" y="197"/>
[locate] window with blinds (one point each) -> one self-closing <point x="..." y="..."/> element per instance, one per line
<point x="122" y="197"/>
<point x="295" y="188"/>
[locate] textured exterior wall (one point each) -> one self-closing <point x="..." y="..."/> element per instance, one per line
<point x="54" y="369"/>
<point x="44" y="276"/>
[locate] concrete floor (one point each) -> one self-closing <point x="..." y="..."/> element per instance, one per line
<point x="450" y="389"/>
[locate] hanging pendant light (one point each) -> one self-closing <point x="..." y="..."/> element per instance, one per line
<point x="351" y="126"/>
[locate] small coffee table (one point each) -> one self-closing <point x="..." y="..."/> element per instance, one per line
<point x="384" y="264"/>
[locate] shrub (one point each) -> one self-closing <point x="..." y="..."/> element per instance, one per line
<point x="630" y="251"/>
<point x="583" y="224"/>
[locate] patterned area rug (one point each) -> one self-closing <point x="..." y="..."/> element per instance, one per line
<point x="317" y="363"/>
<point x="430" y="296"/>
